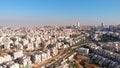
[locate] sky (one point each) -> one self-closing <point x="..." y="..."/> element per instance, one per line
<point x="59" y="12"/>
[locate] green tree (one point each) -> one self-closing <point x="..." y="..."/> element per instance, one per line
<point x="13" y="39"/>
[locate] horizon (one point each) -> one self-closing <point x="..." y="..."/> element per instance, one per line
<point x="60" y="12"/>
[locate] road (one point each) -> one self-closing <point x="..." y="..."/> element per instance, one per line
<point x="79" y="66"/>
<point x="59" y="57"/>
<point x="66" y="55"/>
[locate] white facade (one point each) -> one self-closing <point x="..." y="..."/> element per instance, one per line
<point x="83" y="51"/>
<point x="15" y="65"/>
<point x="5" y="58"/>
<point x="17" y="54"/>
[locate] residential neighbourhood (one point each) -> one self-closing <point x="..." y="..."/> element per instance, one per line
<point x="51" y="47"/>
<point x="28" y="47"/>
<point x="59" y="33"/>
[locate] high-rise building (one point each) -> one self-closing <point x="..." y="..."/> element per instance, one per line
<point x="78" y="25"/>
<point x="102" y="25"/>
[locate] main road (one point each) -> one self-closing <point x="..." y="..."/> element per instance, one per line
<point x="59" y="57"/>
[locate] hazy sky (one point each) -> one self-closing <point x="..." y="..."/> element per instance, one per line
<point x="58" y="12"/>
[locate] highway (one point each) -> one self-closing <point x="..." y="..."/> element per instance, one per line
<point x="49" y="63"/>
<point x="60" y="59"/>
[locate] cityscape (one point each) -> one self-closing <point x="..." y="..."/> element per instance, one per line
<point x="26" y="41"/>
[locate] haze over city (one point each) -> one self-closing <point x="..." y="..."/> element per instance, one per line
<point x="59" y="33"/>
<point x="58" y="12"/>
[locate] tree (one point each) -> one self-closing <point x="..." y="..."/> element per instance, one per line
<point x="23" y="36"/>
<point x="13" y="39"/>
